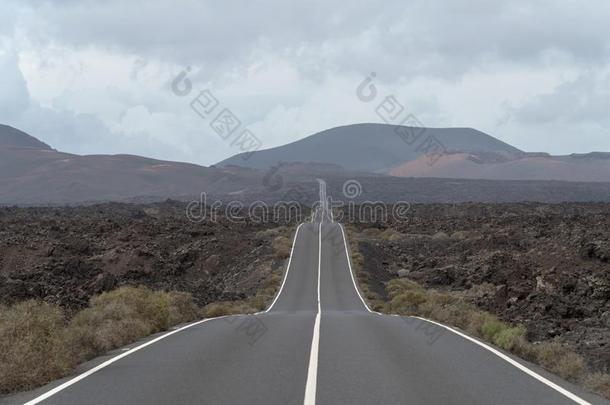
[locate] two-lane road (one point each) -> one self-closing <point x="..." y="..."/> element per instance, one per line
<point x="317" y="343"/>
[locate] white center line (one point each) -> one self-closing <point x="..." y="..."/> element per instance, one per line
<point x="312" y="372"/>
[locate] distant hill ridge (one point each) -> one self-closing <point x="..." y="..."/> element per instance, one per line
<point x="371" y="147"/>
<point x="32" y="173"/>
<point x="12" y="137"/>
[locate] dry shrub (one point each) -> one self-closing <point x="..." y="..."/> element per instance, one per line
<point x="451" y="313"/>
<point x="371" y="232"/>
<point x="512" y="339"/>
<point x="408" y="303"/>
<point x="357" y="261"/>
<point x="399" y="285"/>
<point x="124" y="315"/>
<point x="491" y="328"/>
<point x="259" y="302"/>
<point x="32" y="347"/>
<point x="599" y="382"/>
<point x="282" y="246"/>
<point x="363" y="276"/>
<point x="216" y="309"/>
<point x="272" y="232"/>
<point x="560" y="360"/>
<point x="440" y="236"/>
<point x="182" y="308"/>
<point x="459" y="235"/>
<point x="390" y="234"/>
<point x="480" y="290"/>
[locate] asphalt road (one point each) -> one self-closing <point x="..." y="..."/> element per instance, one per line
<point x="318" y="343"/>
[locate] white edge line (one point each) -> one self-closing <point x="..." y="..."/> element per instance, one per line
<point x="312" y="368"/>
<point x="351" y="272"/>
<point x="286" y="273"/>
<point x="86" y="374"/>
<point x="515" y="363"/>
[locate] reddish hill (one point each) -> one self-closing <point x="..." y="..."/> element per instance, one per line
<point x="528" y="166"/>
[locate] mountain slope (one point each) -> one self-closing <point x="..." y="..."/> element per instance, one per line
<point x="12" y="137"/>
<point x="33" y="173"/>
<point x="529" y="166"/>
<point x="370" y="147"/>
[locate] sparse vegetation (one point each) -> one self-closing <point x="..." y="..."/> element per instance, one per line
<point x="406" y="297"/>
<point x="32" y="345"/>
<point x="258" y="302"/>
<point x="373" y="299"/>
<point x="282" y="246"/>
<point x="599" y="382"/>
<point x="38" y="344"/>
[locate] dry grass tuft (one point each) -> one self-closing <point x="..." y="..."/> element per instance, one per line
<point x="599" y="382"/>
<point x="38" y="345"/>
<point x="32" y="345"/>
<point x="560" y="360"/>
<point x="282" y="246"/>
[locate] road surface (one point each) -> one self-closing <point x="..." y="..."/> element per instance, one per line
<point x="317" y="344"/>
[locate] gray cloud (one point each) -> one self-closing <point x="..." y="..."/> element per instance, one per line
<point x="289" y="69"/>
<point x="14" y="97"/>
<point x="584" y="100"/>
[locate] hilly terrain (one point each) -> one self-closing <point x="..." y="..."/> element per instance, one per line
<point x="373" y="147"/>
<point x="33" y="173"/>
<point x="458" y="153"/>
<point x="593" y="166"/>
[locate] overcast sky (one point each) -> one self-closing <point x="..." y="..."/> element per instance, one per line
<point x="96" y="77"/>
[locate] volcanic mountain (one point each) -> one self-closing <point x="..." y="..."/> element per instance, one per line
<point x="391" y="163"/>
<point x="374" y="147"/>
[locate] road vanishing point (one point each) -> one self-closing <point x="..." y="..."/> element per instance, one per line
<point x="318" y="343"/>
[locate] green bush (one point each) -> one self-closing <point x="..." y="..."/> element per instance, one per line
<point x="491" y="328"/>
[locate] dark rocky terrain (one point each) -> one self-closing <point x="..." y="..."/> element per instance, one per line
<point x="544" y="266"/>
<point x="66" y="255"/>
